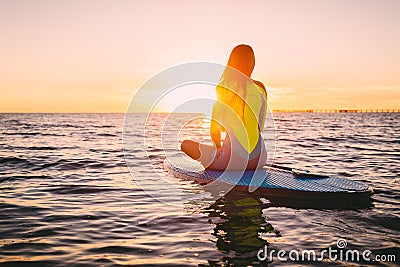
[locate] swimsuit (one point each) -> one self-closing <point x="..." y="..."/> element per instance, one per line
<point x="243" y="147"/>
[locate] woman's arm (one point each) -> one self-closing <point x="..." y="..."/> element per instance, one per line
<point x="215" y="127"/>
<point x="215" y="132"/>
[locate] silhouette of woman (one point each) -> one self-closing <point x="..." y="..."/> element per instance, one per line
<point x="240" y="111"/>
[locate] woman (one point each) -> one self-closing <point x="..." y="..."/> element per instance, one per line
<point x="240" y="111"/>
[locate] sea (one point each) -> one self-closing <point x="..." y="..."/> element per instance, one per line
<point x="74" y="191"/>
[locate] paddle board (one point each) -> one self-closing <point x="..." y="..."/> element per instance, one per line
<point x="270" y="181"/>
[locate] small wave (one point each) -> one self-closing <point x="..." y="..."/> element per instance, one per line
<point x="41" y="166"/>
<point x="111" y="151"/>
<point x="31" y="248"/>
<point x="334" y="126"/>
<point x="367" y="148"/>
<point x="106" y="134"/>
<point x="154" y="149"/>
<point x="118" y="250"/>
<point x="103" y="126"/>
<point x="23" y="177"/>
<point x="12" y="160"/>
<point x="28" y="262"/>
<point x="54" y="125"/>
<point x="80" y="189"/>
<point x="333" y="139"/>
<point x="73" y="164"/>
<point x="31" y="133"/>
<point x="54" y="218"/>
<point x="15" y="162"/>
<point x="12" y="122"/>
<point x="45" y="148"/>
<point x="22" y="133"/>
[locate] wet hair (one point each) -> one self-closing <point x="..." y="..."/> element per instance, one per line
<point x="232" y="85"/>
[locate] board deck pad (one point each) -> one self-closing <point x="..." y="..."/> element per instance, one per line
<point x="265" y="178"/>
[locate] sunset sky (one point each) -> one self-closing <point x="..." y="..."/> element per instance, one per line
<point x="91" y="56"/>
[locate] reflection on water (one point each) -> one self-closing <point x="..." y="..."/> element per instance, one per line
<point x="239" y="225"/>
<point x="241" y="228"/>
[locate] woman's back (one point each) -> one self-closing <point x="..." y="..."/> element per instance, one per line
<point x="244" y="140"/>
<point x="240" y="111"/>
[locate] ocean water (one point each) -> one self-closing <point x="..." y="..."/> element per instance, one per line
<point x="67" y="197"/>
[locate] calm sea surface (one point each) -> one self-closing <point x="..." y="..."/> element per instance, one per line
<point x="67" y="197"/>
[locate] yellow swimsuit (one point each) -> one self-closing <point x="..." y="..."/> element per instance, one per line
<point x="244" y="141"/>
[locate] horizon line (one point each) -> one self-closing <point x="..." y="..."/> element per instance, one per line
<point x="274" y="111"/>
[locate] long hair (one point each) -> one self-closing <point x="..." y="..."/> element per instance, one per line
<point x="232" y="85"/>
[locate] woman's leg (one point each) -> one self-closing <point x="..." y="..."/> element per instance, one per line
<point x="220" y="159"/>
<point x="191" y="148"/>
<point x="201" y="152"/>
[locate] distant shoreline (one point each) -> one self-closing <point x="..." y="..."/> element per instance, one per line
<point x="337" y="111"/>
<point x="274" y="111"/>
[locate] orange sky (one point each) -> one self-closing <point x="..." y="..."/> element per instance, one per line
<point x="90" y="56"/>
